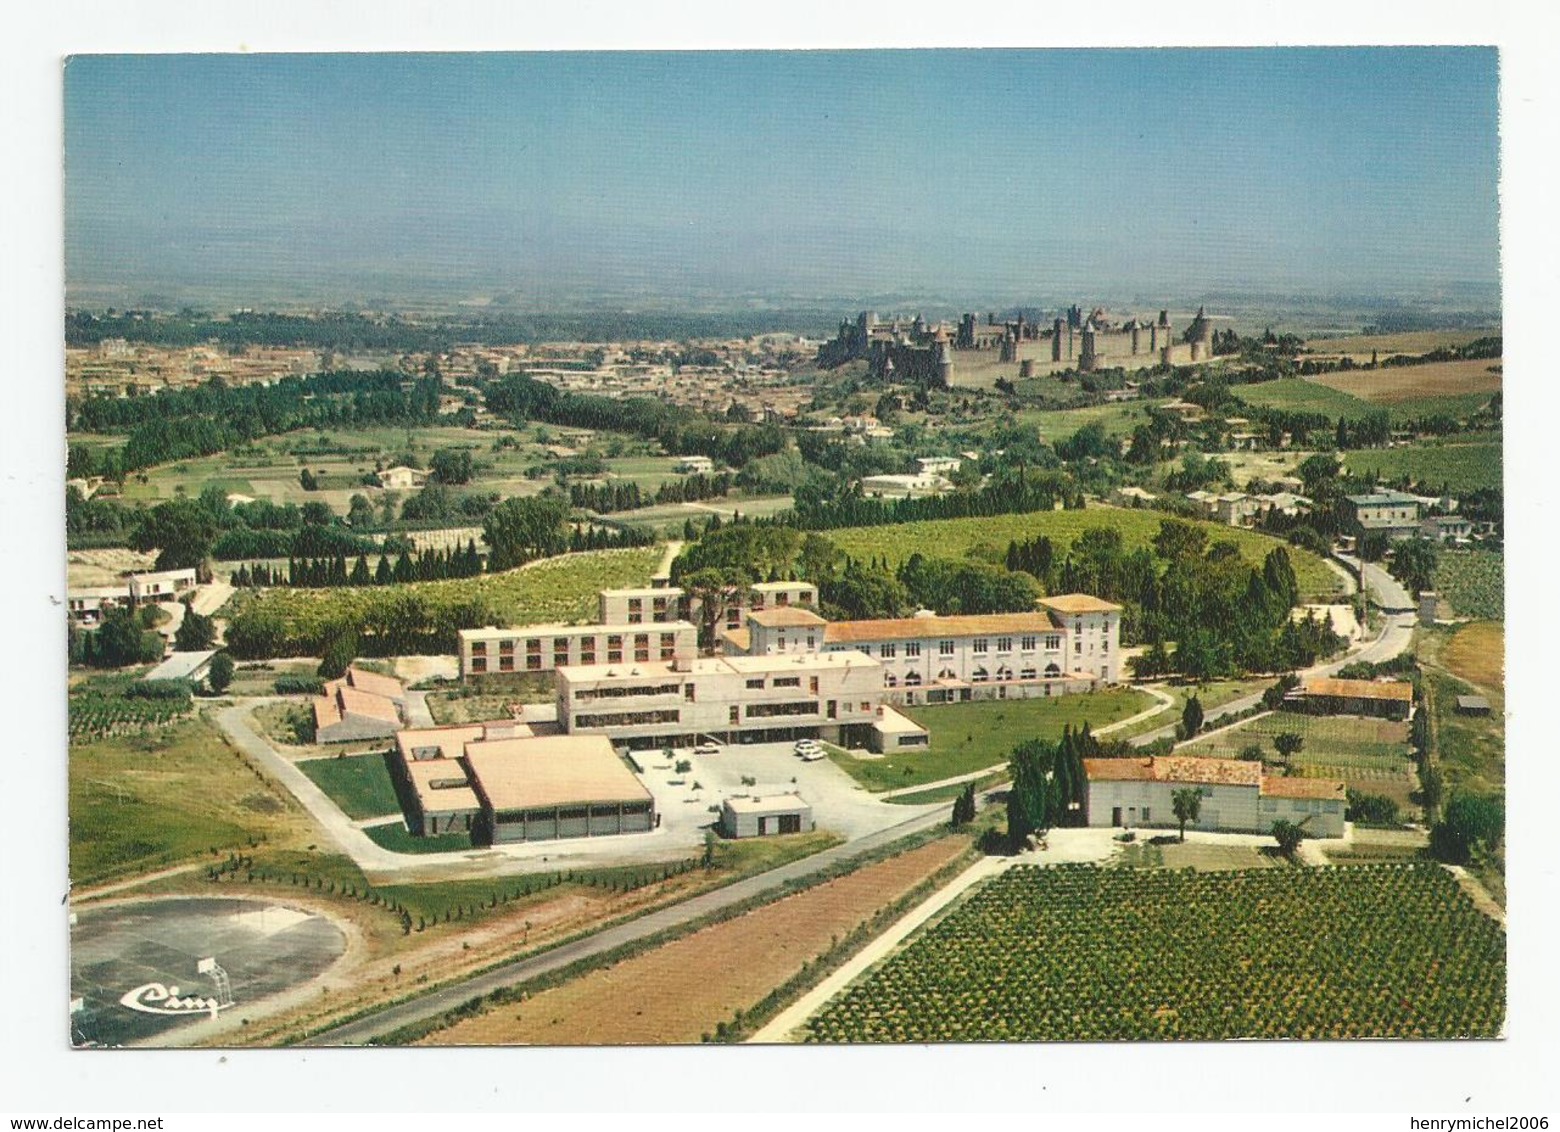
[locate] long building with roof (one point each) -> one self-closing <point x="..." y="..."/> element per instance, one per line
<point x="1236" y="796"/>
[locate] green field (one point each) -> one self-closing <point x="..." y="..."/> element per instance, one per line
<point x="1473" y="582"/>
<point x="951" y="538"/>
<point x="1297" y="395"/>
<point x="359" y="784"/>
<point x="1459" y="465"/>
<point x="1118" y="419"/>
<point x="141" y="802"/>
<point x="972" y="736"/>
<point x="552" y="589"/>
<point x="1085" y="954"/>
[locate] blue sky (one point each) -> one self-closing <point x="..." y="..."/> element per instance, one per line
<point x="1005" y="175"/>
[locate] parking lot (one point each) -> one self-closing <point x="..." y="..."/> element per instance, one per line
<point x="839" y="803"/>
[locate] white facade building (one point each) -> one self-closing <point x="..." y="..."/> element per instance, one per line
<point x="729" y="698"/>
<point x="1071" y="644"/>
<point x="1236" y="796"/>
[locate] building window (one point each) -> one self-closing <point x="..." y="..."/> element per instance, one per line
<point x="1105" y="646"/>
<point x="945" y="648"/>
<point x="734" y="714"/>
<point x="890" y="680"/>
<point x="479" y="664"/>
<point x="1053" y="641"/>
<point x="533" y="645"/>
<point x="912" y="679"/>
<point x="478" y="648"/>
<point x="533" y="664"/>
<point x="912" y="648"/>
<point x="1027" y="672"/>
<point x="1146" y="812"/>
<point x="866" y="649"/>
<point x="889" y="650"/>
<point x="787" y="682"/>
<point x="1077" y="646"/>
<point x="980" y="676"/>
<point x="587" y="652"/>
<point x="1004" y="644"/>
<point x="757" y="682"/>
<point x="980" y="645"/>
<point x="506" y="664"/>
<point x="668" y="640"/>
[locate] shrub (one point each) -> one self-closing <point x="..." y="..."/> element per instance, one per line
<point x="299" y="685"/>
<point x="158" y="690"/>
<point x="1373" y="809"/>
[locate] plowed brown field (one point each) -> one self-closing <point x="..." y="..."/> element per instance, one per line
<point x="678" y="992"/>
<point x="1407" y="383"/>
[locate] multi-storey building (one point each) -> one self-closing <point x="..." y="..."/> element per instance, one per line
<point x="1072" y="643"/>
<point x="745" y="699"/>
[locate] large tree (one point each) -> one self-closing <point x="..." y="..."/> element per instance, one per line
<point x="1289" y="744"/>
<point x="1029" y="797"/>
<point x="518" y="530"/>
<point x="1413" y="563"/>
<point x="1192" y="717"/>
<point x="181" y="531"/>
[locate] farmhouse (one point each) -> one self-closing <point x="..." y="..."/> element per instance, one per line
<point x="1236" y="796"/>
<point x="1384" y="512"/>
<point x="1390" y="699"/>
<point x="401" y="477"/>
<point x="88" y="604"/>
<point x="918" y="483"/>
<point x="938" y="465"/>
<point x="763" y="816"/>
<point x="695" y="465"/>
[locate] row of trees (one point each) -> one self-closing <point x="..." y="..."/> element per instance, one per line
<point x="626" y="495"/>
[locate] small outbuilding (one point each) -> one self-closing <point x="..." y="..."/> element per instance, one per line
<point x="1473" y="705"/>
<point x="191" y="666"/>
<point x="763" y="816"/>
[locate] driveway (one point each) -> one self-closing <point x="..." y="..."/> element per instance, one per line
<point x="684" y="802"/>
<point x="1381" y="586"/>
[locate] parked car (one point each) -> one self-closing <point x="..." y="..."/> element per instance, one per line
<point x="707" y="749"/>
<point x="806" y="747"/>
<point x="813" y="755"/>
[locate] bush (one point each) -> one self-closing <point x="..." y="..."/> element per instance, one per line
<point x="299" y="685"/>
<point x="1372" y="809"/>
<point x="1471" y="822"/>
<point x="221" y="672"/>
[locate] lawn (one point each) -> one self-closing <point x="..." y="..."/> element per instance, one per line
<point x="1086" y="954"/>
<point x="951" y="538"/>
<point x="395" y="837"/>
<point x="1458" y="466"/>
<point x="1213" y="694"/>
<point x="1117" y="419"/>
<point x="1473" y="582"/>
<point x="142" y="802"/>
<point x="972" y="736"/>
<point x="359" y="784"/>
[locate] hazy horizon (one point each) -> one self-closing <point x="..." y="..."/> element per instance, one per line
<point x="726" y="179"/>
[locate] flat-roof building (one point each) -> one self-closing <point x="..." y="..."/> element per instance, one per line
<point x="1392" y="699"/>
<point x="764" y="816"/>
<point x="557" y="787"/>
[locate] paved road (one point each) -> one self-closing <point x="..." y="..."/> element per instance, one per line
<point x="1381" y="586"/>
<point x="522" y="970"/>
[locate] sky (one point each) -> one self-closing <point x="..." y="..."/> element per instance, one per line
<point x="564" y="178"/>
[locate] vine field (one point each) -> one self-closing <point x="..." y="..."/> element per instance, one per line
<point x="1087" y="954"/>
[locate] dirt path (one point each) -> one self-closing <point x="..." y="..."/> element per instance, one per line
<point x="97" y="892"/>
<point x="788" y="1021"/>
<point x="679" y="992"/>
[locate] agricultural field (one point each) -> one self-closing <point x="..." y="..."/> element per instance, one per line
<point x="952" y="538"/>
<point x="99" y="709"/>
<point x="1302" y="395"/>
<point x="1477" y="653"/>
<point x="1117" y="419"/>
<point x="1086" y="954"/>
<point x="972" y="736"/>
<point x="1460" y="466"/>
<point x="1360" y="346"/>
<point x="141" y="802"/>
<point x="1467" y="661"/>
<point x="547" y="590"/>
<point x="680" y="992"/>
<point x="1395" y="385"/>
<point x="1370" y="755"/>
<point x="359" y="784"/>
<point x="1473" y="583"/>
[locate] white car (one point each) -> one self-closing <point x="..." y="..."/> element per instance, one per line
<point x="805" y="747"/>
<point x="707" y="749"/>
<point x="813" y="755"/>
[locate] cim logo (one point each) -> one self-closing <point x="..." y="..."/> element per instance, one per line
<point x="154" y="998"/>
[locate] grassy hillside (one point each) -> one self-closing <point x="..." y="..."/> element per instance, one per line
<point x="554" y="589"/>
<point x="951" y="538"/>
